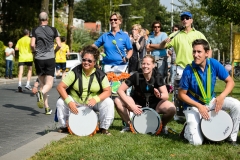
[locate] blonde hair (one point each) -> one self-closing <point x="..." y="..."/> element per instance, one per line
<point x="118" y="15"/>
<point x="138" y="26"/>
<point x="150" y="56"/>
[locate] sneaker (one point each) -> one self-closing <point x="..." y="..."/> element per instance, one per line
<point x="40" y="101"/>
<point x="181" y="135"/>
<point x="165" y="130"/>
<point x="48" y="111"/>
<point x="19" y="89"/>
<point x="28" y="87"/>
<point x="63" y="130"/>
<point x="125" y="129"/>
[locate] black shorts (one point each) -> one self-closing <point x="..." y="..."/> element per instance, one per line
<point x="45" y="67"/>
<point x="25" y="64"/>
<point x="142" y="102"/>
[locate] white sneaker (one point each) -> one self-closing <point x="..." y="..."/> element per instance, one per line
<point x="28" y="87"/>
<point x="125" y="129"/>
<point x="165" y="130"/>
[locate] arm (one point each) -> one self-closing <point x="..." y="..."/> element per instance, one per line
<point x="164" y="43"/>
<point x="94" y="45"/>
<point x="58" y="41"/>
<point x="129" y="103"/>
<point x="203" y="110"/>
<point x="33" y="45"/>
<point x="220" y="99"/>
<point x="61" y="88"/>
<point x="162" y="93"/>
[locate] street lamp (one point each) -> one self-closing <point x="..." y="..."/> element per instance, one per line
<point x="53" y="13"/>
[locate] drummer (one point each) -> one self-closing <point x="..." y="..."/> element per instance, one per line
<point x="95" y="89"/>
<point x="195" y="104"/>
<point x="146" y="82"/>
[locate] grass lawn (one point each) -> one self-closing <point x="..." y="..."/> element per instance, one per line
<point x="130" y="146"/>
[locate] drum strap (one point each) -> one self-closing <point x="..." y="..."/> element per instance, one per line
<point x="206" y="96"/>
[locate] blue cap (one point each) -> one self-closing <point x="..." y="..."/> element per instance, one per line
<point x="186" y="14"/>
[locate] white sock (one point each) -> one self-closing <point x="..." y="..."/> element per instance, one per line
<point x="28" y="83"/>
<point x="19" y="83"/>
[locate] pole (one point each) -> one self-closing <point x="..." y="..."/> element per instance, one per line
<point x="172" y="14"/>
<point x="110" y="14"/>
<point x="53" y="13"/>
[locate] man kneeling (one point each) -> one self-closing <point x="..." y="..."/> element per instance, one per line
<point x="197" y="92"/>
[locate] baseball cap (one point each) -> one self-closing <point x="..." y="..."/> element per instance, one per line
<point x="186" y="14"/>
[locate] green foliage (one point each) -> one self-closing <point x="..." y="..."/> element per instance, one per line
<point x="227" y="10"/>
<point x="81" y="38"/>
<point x="62" y="29"/>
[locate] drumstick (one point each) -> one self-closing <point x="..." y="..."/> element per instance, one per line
<point x="115" y="43"/>
<point x="182" y="28"/>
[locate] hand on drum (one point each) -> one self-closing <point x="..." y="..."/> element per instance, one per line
<point x="218" y="103"/>
<point x="203" y="110"/>
<point x="73" y="107"/>
<point x="91" y="102"/>
<point x="137" y="110"/>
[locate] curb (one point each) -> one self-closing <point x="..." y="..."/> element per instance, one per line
<point x="30" y="149"/>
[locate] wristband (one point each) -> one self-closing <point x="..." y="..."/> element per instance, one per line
<point x="97" y="99"/>
<point x="68" y="100"/>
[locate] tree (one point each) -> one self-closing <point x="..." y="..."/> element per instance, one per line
<point x="70" y="24"/>
<point x="44" y="6"/>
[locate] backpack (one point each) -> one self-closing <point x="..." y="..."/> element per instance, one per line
<point x="78" y="75"/>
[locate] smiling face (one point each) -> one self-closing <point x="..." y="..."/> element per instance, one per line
<point x="115" y="21"/>
<point x="88" y="62"/>
<point x="147" y="65"/>
<point x="200" y="55"/>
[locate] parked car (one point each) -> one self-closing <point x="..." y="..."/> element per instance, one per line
<point x="73" y="60"/>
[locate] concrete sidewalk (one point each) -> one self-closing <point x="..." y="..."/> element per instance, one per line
<point x="28" y="150"/>
<point x="33" y="147"/>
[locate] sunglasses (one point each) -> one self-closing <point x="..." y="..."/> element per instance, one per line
<point x="156" y="26"/>
<point x="87" y="60"/>
<point x="113" y="20"/>
<point x="187" y="18"/>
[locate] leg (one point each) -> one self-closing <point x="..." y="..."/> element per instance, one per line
<point x="7" y="69"/>
<point x="168" y="110"/>
<point x="29" y="75"/>
<point x="233" y="105"/>
<point x="192" y="131"/>
<point x="46" y="81"/>
<point x="10" y="69"/>
<point x="20" y="72"/>
<point x="62" y="112"/>
<point x="106" y="113"/>
<point x="122" y="110"/>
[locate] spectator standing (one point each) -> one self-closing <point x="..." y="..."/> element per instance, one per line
<point x="61" y="58"/>
<point x="153" y="47"/>
<point x="113" y="57"/>
<point x="138" y="44"/>
<point x="25" y="58"/>
<point x="42" y="44"/>
<point x="10" y="54"/>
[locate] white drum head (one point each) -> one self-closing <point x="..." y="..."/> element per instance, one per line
<point x="146" y="123"/>
<point x="219" y="127"/>
<point x="84" y="123"/>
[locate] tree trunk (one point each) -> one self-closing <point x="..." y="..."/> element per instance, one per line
<point x="70" y="24"/>
<point x="44" y="6"/>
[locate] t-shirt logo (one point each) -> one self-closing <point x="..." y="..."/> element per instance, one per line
<point x="120" y="39"/>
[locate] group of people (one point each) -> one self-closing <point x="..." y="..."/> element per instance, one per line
<point x="87" y="85"/>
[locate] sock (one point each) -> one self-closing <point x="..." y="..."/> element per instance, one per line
<point x="19" y="84"/>
<point x="28" y="83"/>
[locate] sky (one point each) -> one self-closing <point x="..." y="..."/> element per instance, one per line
<point x="167" y="3"/>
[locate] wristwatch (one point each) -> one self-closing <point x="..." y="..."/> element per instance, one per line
<point x="126" y="59"/>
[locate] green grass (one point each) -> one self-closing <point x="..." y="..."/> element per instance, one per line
<point x="130" y="146"/>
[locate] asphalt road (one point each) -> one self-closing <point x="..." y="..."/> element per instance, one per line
<point x="21" y="121"/>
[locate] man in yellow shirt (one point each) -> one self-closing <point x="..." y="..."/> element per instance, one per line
<point x="25" y="58"/>
<point x="61" y="58"/>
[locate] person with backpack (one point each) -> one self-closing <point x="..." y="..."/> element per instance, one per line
<point x="88" y="86"/>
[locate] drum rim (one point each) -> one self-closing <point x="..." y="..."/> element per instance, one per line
<point x="205" y="135"/>
<point x="155" y="112"/>
<point x="82" y="108"/>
